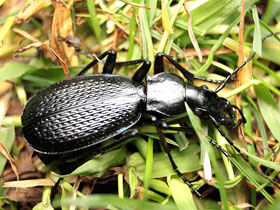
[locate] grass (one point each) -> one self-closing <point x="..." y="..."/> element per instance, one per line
<point x="137" y="174"/>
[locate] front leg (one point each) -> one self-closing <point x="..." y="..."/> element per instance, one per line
<point x="160" y="125"/>
<point x="244" y="157"/>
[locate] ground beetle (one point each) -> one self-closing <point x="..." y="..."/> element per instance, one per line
<point x="77" y="117"/>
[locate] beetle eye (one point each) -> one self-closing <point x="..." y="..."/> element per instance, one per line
<point x="205" y="87"/>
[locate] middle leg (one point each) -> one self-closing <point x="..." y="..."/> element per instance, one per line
<point x="141" y="73"/>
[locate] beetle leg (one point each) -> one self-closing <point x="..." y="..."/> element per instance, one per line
<point x="130" y="133"/>
<point x="68" y="167"/>
<point x="166" y="148"/>
<point x="110" y="62"/>
<point x="174" y="166"/>
<point x="245" y="158"/>
<point x="141" y="72"/>
<point x="218" y="147"/>
<point x="160" y="68"/>
<point x="108" y="66"/>
<point x="164" y="125"/>
<point x="217" y="126"/>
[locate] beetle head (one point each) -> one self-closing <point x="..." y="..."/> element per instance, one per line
<point x="206" y="104"/>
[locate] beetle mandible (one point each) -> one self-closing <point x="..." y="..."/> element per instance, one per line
<point x="82" y="113"/>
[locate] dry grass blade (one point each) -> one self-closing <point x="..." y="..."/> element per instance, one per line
<point x="66" y="30"/>
<point x="240" y="60"/>
<point x="29" y="183"/>
<point x="165" y="20"/>
<point x="137" y="5"/>
<point x="191" y="34"/>
<point x="5" y="86"/>
<point x="6" y="153"/>
<point x="26" y="35"/>
<point x="31" y="8"/>
<point x="4" y="105"/>
<point x="74" y="193"/>
<point x="56" y="25"/>
<point x="191" y="53"/>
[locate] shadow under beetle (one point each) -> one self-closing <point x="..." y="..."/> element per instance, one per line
<point x="76" y="118"/>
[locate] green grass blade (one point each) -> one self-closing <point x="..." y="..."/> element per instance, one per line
<point x="98" y="166"/>
<point x="120" y="186"/>
<point x="94" y="21"/>
<point x="5" y="29"/>
<point x="148" y="166"/>
<point x="269" y="109"/>
<point x="7" y="137"/>
<point x="267" y="70"/>
<point x="250" y="174"/>
<point x="132" y="29"/>
<point x="133" y="181"/>
<point x="271" y="50"/>
<point x="148" y="49"/>
<point x="267" y="15"/>
<point x="13" y="70"/>
<point x="267" y="163"/>
<point x="46" y="200"/>
<point x="162" y="166"/>
<point x="220" y="41"/>
<point x="166" y="33"/>
<point x="257" y="43"/>
<point x="160" y="186"/>
<point x="102" y="201"/>
<point x="208" y="14"/>
<point x="181" y="194"/>
<point x="259" y="120"/>
<point x="276" y="206"/>
<point x="152" y="11"/>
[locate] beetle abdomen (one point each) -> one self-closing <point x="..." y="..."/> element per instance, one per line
<point x="80" y="112"/>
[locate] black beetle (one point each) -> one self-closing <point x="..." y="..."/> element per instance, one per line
<point x="80" y="115"/>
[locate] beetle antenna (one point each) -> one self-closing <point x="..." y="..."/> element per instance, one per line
<point x="221" y="86"/>
<point x="244" y="157"/>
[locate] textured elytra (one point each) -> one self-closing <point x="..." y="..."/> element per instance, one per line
<point x="81" y="112"/>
